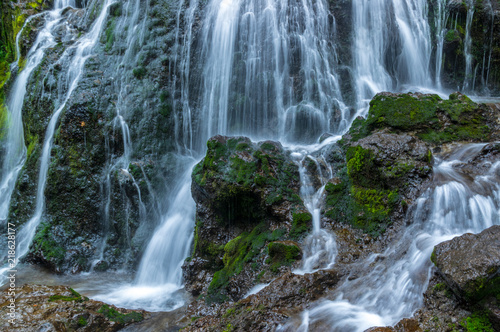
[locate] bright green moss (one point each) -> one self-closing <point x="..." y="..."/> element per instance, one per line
<point x="82" y="321"/>
<point x="368" y="208"/>
<point x="75" y="296"/>
<point x="439" y="287"/>
<point x="237" y="253"/>
<point x="421" y="114"/>
<point x="433" y="256"/>
<point x="242" y="172"/>
<point x="45" y="242"/>
<point x="451" y="36"/>
<point x="115" y="316"/>
<point x="477" y="322"/>
<point x="404" y="112"/>
<point x="4" y="121"/>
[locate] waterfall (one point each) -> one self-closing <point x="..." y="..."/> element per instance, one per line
<point x="76" y="57"/>
<point x="441" y="18"/>
<point x="320" y="247"/>
<point x="267" y="71"/>
<point x="468" y="79"/>
<point x="391" y="47"/>
<point x="14" y="147"/>
<point x="159" y="278"/>
<point x="251" y="39"/>
<point x="131" y="30"/>
<point x="393" y="289"/>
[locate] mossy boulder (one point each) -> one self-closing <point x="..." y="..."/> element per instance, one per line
<point x="429" y="117"/>
<point x="388" y="156"/>
<point x="247" y="196"/>
<point x="470" y="264"/>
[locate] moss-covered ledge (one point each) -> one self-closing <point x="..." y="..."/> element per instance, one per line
<point x="429" y="117"/>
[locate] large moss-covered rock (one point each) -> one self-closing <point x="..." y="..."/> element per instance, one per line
<point x="247" y="195"/>
<point x="470" y="264"/>
<point x="430" y="118"/>
<point x="388" y="156"/>
<point x="102" y="202"/>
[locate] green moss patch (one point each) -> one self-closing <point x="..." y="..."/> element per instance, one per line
<point x="51" y="250"/>
<point x="482" y="287"/>
<point x="477" y="322"/>
<point x="366" y="193"/>
<point x="245" y="177"/>
<point x="115" y="316"/>
<point x="237" y="253"/>
<point x="282" y="253"/>
<point x="75" y="296"/>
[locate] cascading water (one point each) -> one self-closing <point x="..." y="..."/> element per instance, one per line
<point x="441" y="18"/>
<point x="259" y="33"/>
<point x="391" y="48"/>
<point x="268" y="72"/>
<point x="267" y="69"/>
<point x="159" y="278"/>
<point x="468" y="80"/>
<point x="320" y="248"/>
<point x="76" y="57"/>
<point x="131" y="29"/>
<point x="393" y="289"/>
<point x="14" y="147"/>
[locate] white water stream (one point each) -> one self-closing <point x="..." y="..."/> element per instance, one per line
<point x="468" y="80"/>
<point x="319" y="247"/>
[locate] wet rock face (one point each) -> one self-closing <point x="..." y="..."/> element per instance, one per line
<point x="470" y="264"/>
<point x="95" y="202"/>
<point x="291" y="291"/>
<point x="59" y="308"/>
<point x="484" y="32"/>
<point x="247" y="196"/>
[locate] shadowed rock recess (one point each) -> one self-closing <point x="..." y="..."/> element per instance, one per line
<point x="145" y="109"/>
